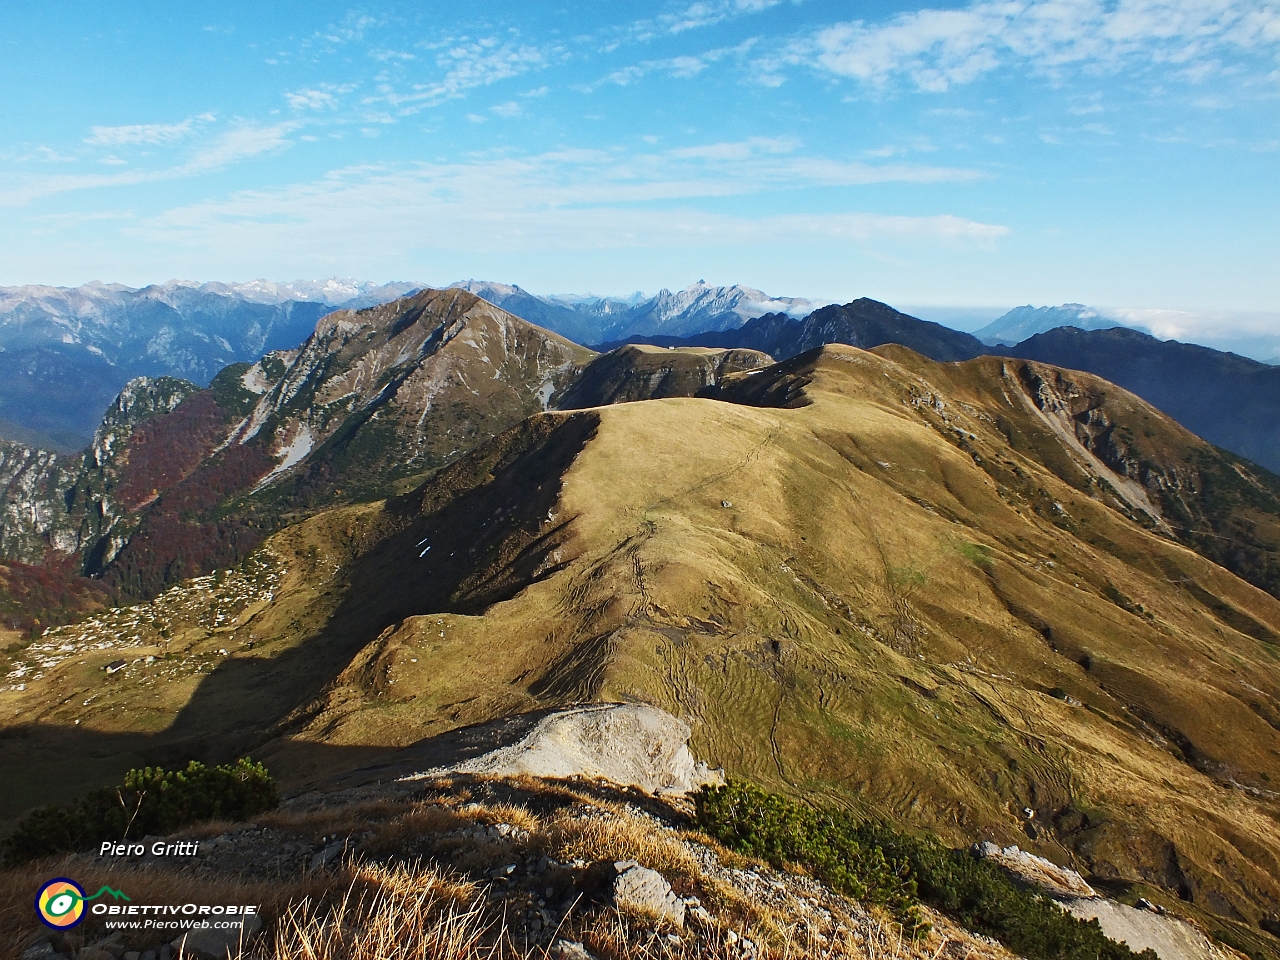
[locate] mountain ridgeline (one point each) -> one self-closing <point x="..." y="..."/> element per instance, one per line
<point x="960" y="596"/>
<point x="180" y="480"/>
<point x="1231" y="401"/>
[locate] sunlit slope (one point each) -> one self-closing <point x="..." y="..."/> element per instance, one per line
<point x="845" y="601"/>
<point x="906" y="586"/>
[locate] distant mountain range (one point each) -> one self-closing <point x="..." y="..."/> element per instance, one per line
<point x="66" y="352"/>
<point x="1229" y="400"/>
<point x="862" y="323"/>
<point x="1022" y="322"/>
<point x="590" y="320"/>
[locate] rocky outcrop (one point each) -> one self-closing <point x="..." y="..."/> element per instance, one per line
<point x="630" y="744"/>
<point x="633" y="888"/>
<point x="61" y="503"/>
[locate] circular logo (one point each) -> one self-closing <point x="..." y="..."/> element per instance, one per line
<point x="60" y="903"/>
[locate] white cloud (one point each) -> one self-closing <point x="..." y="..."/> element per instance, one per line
<point x="46" y="155"/>
<point x="567" y="200"/>
<point x="706" y="13"/>
<point x="234" y="145"/>
<point x="238" y="144"/>
<point x="508" y="109"/>
<point x="312" y="100"/>
<point x="682" y="67"/>
<point x="467" y="64"/>
<point x="935" y="49"/>
<point x="158" y="134"/>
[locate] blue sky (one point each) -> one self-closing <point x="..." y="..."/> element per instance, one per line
<point x="990" y="152"/>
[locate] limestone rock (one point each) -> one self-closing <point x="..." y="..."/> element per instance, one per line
<point x="569" y="950"/>
<point x="627" y="743"/>
<point x="638" y="889"/>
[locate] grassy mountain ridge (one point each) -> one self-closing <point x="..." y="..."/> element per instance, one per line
<point x="904" y="587"/>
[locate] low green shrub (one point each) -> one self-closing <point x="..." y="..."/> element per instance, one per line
<point x="149" y="801"/>
<point x="872" y="862"/>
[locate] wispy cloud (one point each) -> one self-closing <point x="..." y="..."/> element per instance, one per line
<point x="682" y="67"/>
<point x="564" y="200"/>
<point x="467" y="64"/>
<point x="323" y="96"/>
<point x="707" y="13"/>
<point x="157" y="134"/>
<point x="936" y="49"/>
<point x="232" y="146"/>
<point x="692" y="16"/>
<point x="312" y="100"/>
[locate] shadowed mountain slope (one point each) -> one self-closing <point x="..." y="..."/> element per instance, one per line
<point x="916" y="589"/>
<point x="641" y="372"/>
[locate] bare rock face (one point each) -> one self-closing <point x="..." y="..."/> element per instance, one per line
<point x="628" y="743"/>
<point x="1059" y="882"/>
<point x="640" y="890"/>
<point x="1169" y="937"/>
<point x="1142" y="927"/>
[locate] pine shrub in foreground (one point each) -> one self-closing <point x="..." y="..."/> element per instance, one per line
<point x="873" y="863"/>
<point x="149" y="801"/>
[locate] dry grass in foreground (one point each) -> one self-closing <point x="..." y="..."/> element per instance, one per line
<point x="424" y="875"/>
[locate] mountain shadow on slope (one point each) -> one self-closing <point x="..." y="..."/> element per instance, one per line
<point x="489" y="537"/>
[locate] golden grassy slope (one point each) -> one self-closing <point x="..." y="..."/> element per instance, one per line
<point x="885" y="594"/>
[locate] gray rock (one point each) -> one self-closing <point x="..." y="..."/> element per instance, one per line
<point x="1169" y="937"/>
<point x="569" y="950"/>
<point x="322" y="859"/>
<point x="218" y="944"/>
<point x="40" y="950"/>
<point x="628" y="743"/>
<point x="985" y="849"/>
<point x="641" y="890"/>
